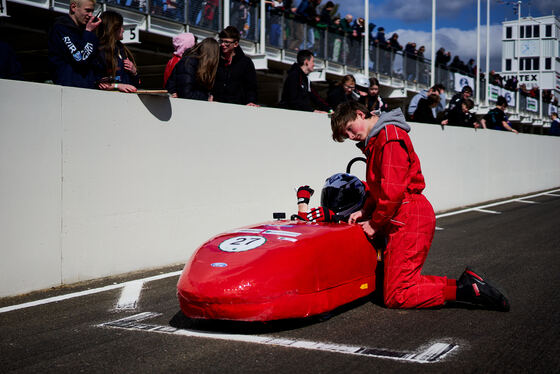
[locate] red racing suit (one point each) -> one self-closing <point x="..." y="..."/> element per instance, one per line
<point x="404" y="216"/>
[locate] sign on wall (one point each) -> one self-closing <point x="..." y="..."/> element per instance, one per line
<point x="494" y="92"/>
<point x="131" y="34"/>
<point x="532" y="104"/>
<point x="462" y="81"/>
<point x="510" y="97"/>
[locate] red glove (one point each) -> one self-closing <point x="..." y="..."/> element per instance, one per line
<point x="320" y="214"/>
<point x="304" y="193"/>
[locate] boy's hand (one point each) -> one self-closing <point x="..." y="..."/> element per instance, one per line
<point x="356" y="216"/>
<point x="304" y="193"/>
<point x="368" y="230"/>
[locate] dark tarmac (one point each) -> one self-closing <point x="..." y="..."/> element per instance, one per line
<point x="519" y="250"/>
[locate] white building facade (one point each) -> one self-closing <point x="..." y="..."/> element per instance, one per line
<point x="531" y="51"/>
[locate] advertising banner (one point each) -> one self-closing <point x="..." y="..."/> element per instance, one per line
<point x="510" y="96"/>
<point x="532" y="104"/>
<point x="461" y="81"/>
<point x="493" y="92"/>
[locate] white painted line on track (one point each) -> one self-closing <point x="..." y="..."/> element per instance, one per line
<point x="130" y="295"/>
<point x="551" y="192"/>
<point x="486" y="211"/>
<point x="526" y="201"/>
<point x="434" y="353"/>
<point x="55" y="299"/>
<point x="439" y="228"/>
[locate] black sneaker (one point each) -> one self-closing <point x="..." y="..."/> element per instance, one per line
<point x="472" y="288"/>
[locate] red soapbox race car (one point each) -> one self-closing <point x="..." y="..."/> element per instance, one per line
<point x="278" y="270"/>
<point x="284" y="269"/>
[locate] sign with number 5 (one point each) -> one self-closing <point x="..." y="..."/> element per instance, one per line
<point x="131" y="34"/>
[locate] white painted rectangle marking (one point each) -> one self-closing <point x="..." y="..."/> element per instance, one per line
<point x="130" y="295"/>
<point x="434" y="353"/>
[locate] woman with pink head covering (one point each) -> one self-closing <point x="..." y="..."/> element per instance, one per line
<point x="181" y="43"/>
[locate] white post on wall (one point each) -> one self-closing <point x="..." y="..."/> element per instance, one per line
<point x="226" y="13"/>
<point x="263" y="28"/>
<point x="433" y="57"/>
<point x="540" y="101"/>
<point x="487" y="51"/>
<point x="477" y="82"/>
<point x="517" y="48"/>
<point x="366" y="38"/>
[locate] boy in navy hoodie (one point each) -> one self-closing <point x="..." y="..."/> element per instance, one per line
<point x="73" y="46"/>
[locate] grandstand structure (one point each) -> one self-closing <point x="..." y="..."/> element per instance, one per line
<point x="531" y="53"/>
<point x="268" y="37"/>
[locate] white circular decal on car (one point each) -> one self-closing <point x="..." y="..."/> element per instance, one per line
<point x="242" y="243"/>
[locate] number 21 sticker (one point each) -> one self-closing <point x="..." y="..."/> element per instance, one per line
<point x="242" y="243"/>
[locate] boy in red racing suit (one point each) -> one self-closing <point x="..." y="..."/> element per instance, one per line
<point x="397" y="209"/>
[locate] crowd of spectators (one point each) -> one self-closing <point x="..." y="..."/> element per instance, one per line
<point x="86" y="51"/>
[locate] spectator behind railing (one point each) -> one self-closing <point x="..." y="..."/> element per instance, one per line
<point x="460" y="115"/>
<point x="459" y="98"/>
<point x="495" y="79"/>
<point x="384" y="55"/>
<point x="511" y="84"/>
<point x="117" y="68"/>
<point x="297" y="93"/>
<point x="471" y="67"/>
<point x="195" y="74"/>
<point x="73" y="46"/>
<point x="336" y="32"/>
<point x="275" y="11"/>
<point x="181" y="43"/>
<point x="496" y="118"/>
<point x="424" y="112"/>
<point x="458" y="65"/>
<point x="554" y="125"/>
<point x="236" y="79"/>
<point x="442" y="57"/>
<point x="372" y="100"/>
<point x="437" y="89"/>
<point x="410" y="54"/>
<point x="342" y="91"/>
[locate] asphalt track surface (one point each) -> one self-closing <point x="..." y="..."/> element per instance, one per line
<point x="518" y="249"/>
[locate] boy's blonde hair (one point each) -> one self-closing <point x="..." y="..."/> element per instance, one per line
<point x="78" y="2"/>
<point x="344" y="113"/>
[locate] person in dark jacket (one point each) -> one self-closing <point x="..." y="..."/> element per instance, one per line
<point x="117" y="68"/>
<point x="496" y="118"/>
<point x="372" y="100"/>
<point x="195" y="73"/>
<point x="460" y="115"/>
<point x="73" y="46"/>
<point x="343" y="91"/>
<point x="297" y="93"/>
<point x="424" y="111"/>
<point x="236" y="79"/>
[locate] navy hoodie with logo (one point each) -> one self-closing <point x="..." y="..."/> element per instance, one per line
<point x="72" y="54"/>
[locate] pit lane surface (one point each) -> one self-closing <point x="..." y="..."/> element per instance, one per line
<point x="515" y="243"/>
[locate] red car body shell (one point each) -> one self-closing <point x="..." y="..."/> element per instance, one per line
<point x="278" y="270"/>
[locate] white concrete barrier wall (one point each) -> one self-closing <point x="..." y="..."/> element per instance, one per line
<point x="100" y="183"/>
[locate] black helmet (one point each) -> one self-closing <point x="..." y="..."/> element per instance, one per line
<point x="343" y="194"/>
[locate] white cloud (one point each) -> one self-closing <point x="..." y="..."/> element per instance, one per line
<point x="460" y="43"/>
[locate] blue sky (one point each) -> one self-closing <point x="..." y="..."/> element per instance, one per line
<point x="455" y="22"/>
